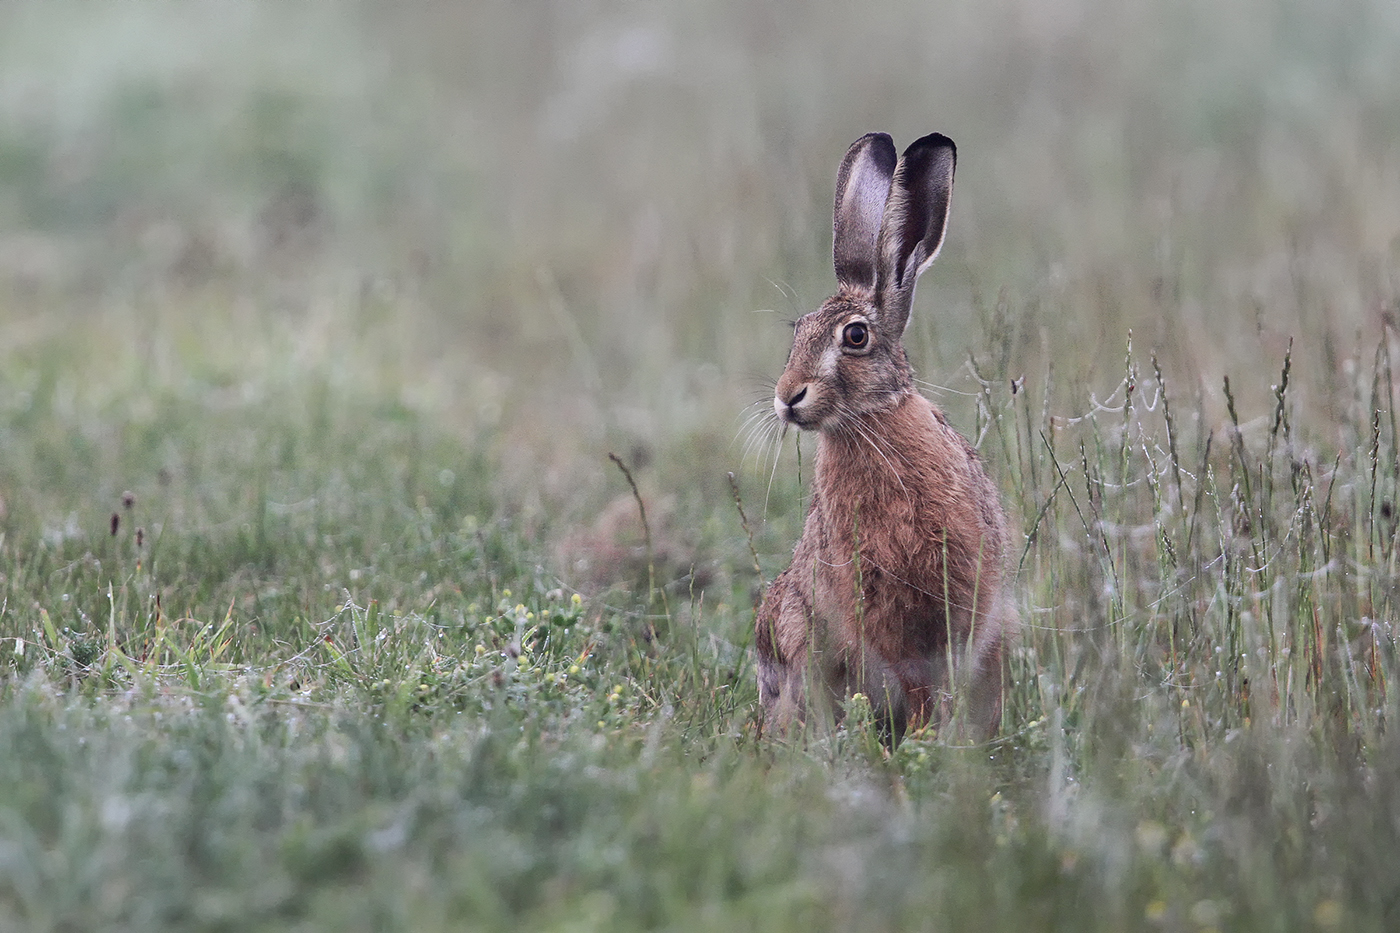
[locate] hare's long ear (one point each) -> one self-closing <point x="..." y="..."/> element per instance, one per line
<point x="915" y="219"/>
<point x="862" y="187"/>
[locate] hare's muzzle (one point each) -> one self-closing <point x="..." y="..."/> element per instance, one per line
<point x="788" y="403"/>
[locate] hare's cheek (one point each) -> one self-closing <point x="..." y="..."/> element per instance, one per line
<point x="848" y="373"/>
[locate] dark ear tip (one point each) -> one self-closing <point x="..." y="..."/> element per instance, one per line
<point x="933" y="141"/>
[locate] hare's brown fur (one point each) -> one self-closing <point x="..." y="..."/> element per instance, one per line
<point x="896" y="585"/>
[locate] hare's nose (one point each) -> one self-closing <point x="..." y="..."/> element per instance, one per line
<point x="786" y="406"/>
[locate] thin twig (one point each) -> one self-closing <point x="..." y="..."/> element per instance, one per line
<point x="646" y="535"/>
<point x="748" y="532"/>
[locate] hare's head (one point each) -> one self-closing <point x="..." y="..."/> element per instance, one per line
<point x="847" y="358"/>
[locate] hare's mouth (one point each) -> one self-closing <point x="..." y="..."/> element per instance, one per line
<point x="803" y="424"/>
<point x="808" y="420"/>
<point x="802" y="421"/>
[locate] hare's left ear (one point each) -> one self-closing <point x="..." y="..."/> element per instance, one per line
<point x="916" y="217"/>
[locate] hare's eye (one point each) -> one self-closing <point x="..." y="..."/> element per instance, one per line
<point x="856" y="335"/>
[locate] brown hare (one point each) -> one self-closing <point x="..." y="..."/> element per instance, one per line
<point x="896" y="586"/>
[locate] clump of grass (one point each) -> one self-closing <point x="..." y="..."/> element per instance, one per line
<point x="1221" y="567"/>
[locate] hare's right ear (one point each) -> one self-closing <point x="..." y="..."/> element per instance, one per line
<point x="862" y="186"/>
<point x="915" y="220"/>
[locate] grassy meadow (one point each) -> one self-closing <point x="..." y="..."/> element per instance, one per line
<point x="323" y="604"/>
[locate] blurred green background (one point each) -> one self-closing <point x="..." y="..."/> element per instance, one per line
<point x="586" y="221"/>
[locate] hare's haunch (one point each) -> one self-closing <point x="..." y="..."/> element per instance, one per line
<point x="896" y="585"/>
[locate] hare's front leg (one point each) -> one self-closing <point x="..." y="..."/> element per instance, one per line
<point x="781" y="645"/>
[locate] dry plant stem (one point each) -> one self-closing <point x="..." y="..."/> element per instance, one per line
<point x="748" y="533"/>
<point x="646" y="537"/>
<point x="1171" y="432"/>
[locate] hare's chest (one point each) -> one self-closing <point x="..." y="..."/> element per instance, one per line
<point x="856" y="573"/>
